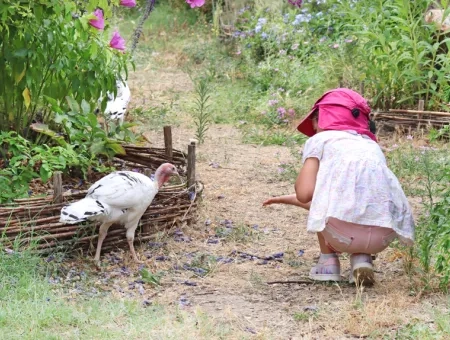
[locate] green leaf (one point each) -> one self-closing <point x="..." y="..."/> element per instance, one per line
<point x="73" y="104"/>
<point x="21" y="52"/>
<point x="85" y="107"/>
<point x="147" y="277"/>
<point x="18" y="77"/>
<point x="26" y="97"/>
<point x="45" y="172"/>
<point x="59" y="118"/>
<point x="97" y="147"/>
<point x="116" y="147"/>
<point x="44" y="129"/>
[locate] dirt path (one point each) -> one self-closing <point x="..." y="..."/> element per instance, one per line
<point x="237" y="178"/>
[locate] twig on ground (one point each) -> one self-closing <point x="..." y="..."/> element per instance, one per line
<point x="292" y="282"/>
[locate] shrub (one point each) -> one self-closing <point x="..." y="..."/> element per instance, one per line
<point x="49" y="50"/>
<point x="21" y="162"/>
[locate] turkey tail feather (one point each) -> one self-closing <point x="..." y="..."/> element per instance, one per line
<point x="82" y="210"/>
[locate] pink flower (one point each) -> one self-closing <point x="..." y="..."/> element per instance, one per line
<point x="128" y="3"/>
<point x="117" y="42"/>
<point x="291" y="112"/>
<point x="281" y="110"/>
<point x="98" y="23"/>
<point x="297" y="3"/>
<point x="195" y="3"/>
<point x="336" y="46"/>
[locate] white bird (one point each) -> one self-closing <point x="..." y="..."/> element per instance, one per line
<point x="116" y="107"/>
<point x="120" y="197"/>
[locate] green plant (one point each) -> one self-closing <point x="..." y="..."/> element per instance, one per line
<point x="305" y="316"/>
<point x="82" y="130"/>
<point x="54" y="55"/>
<point x="21" y="162"/>
<point x="79" y="149"/>
<point x="153" y="279"/>
<point x="434" y="237"/>
<point x="202" y="113"/>
<point x="442" y="133"/>
<point x="426" y="172"/>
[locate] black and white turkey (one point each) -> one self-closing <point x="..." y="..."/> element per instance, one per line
<point x="116" y="106"/>
<point x="120" y="197"/>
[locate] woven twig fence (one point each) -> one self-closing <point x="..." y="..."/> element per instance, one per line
<point x="34" y="222"/>
<point x="412" y="119"/>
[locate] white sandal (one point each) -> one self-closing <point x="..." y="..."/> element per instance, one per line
<point x="327" y="269"/>
<point x="362" y="270"/>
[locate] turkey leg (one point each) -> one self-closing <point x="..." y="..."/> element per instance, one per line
<point x="130" y="238"/>
<point x="101" y="236"/>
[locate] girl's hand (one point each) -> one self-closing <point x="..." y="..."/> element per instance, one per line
<point x="286" y="199"/>
<point x="270" y="201"/>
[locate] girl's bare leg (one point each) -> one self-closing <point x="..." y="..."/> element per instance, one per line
<point x="324" y="249"/>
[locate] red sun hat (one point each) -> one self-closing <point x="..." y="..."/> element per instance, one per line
<point x="339" y="109"/>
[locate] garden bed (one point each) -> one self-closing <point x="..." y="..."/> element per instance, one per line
<point x="34" y="222"/>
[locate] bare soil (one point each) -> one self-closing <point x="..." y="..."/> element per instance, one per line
<point x="231" y="285"/>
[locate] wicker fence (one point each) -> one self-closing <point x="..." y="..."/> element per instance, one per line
<point x="34" y="222"/>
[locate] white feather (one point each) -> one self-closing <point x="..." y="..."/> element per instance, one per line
<point x="119" y="197"/>
<point x="116" y="107"/>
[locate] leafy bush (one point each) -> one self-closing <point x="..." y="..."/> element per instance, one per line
<point x="49" y="51"/>
<point x="21" y="162"/>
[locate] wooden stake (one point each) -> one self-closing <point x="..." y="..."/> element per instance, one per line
<point x="420" y="107"/>
<point x="361" y="88"/>
<point x="57" y="187"/>
<point x="168" y="141"/>
<point x="191" y="166"/>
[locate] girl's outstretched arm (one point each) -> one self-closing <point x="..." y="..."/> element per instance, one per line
<point x="287" y="199"/>
<point x="306" y="180"/>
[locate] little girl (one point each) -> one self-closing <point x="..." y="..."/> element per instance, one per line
<point x="356" y="204"/>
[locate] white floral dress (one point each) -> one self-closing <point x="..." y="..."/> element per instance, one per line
<point x="355" y="185"/>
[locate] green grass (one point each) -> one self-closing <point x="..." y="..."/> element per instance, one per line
<point x="280" y="136"/>
<point x="31" y="308"/>
<point x="155" y="117"/>
<point x="438" y="328"/>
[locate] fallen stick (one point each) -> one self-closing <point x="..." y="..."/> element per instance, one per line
<point x="292" y="282"/>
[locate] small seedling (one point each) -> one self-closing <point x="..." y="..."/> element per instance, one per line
<point x="202" y="114"/>
<point x="153" y="279"/>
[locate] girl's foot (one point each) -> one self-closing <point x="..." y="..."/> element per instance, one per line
<point x="362" y="270"/>
<point x="327" y="269"/>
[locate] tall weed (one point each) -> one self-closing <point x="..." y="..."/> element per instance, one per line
<point x="201" y="112"/>
<point x="425" y="173"/>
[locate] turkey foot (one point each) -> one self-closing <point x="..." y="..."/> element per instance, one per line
<point x="133" y="252"/>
